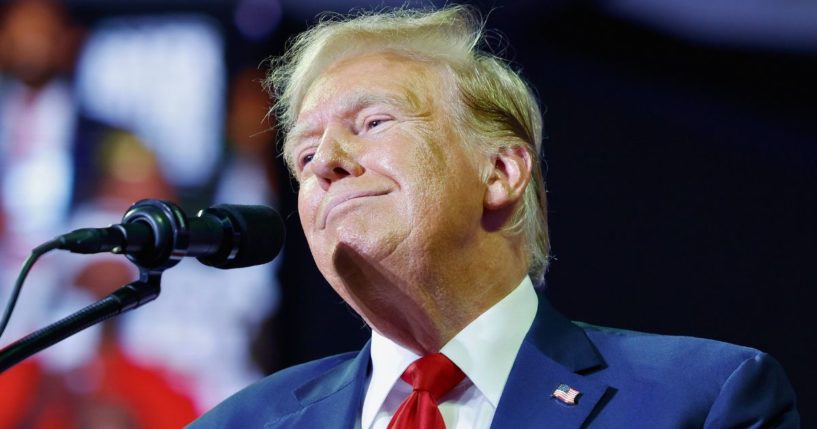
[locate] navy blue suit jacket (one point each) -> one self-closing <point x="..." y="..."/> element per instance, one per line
<point x="626" y="379"/>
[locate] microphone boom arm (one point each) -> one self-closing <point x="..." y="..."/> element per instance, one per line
<point x="126" y="298"/>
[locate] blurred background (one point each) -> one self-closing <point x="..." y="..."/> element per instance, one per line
<point x="681" y="166"/>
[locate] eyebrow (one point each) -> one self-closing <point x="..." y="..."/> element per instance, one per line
<point x="355" y="103"/>
<point x="406" y="100"/>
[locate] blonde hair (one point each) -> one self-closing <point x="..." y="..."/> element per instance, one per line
<point x="498" y="108"/>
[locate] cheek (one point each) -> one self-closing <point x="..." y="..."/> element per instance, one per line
<point x="431" y="176"/>
<point x="451" y="191"/>
<point x="308" y="205"/>
<point x="420" y="184"/>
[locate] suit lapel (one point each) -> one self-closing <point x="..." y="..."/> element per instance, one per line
<point x="331" y="400"/>
<point x="554" y="352"/>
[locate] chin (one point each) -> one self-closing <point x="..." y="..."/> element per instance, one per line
<point x="372" y="242"/>
<point x="355" y="259"/>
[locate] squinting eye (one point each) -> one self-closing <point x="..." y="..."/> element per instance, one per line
<point x="306" y="158"/>
<point x="375" y="123"/>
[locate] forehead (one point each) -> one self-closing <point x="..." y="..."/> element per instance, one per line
<point x="381" y="76"/>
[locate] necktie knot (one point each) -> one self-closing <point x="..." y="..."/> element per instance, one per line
<point x="433" y="373"/>
<point x="431" y="376"/>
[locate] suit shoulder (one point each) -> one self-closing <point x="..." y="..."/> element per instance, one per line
<point x="722" y="384"/>
<point x="663" y="353"/>
<point x="269" y="398"/>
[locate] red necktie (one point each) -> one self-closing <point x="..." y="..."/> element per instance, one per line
<point x="431" y="376"/>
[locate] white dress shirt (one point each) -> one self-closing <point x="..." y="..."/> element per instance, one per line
<point x="485" y="351"/>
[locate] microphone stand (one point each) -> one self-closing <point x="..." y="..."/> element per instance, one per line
<point x="128" y="297"/>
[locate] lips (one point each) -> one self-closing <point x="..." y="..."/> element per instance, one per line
<point x="337" y="200"/>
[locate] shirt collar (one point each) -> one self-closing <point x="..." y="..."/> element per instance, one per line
<point x="485" y="350"/>
<point x="389" y="360"/>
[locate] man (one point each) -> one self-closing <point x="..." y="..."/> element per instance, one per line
<point x="422" y="200"/>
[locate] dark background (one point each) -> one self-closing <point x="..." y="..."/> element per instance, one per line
<point x="681" y="168"/>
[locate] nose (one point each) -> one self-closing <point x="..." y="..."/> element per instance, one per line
<point x="335" y="158"/>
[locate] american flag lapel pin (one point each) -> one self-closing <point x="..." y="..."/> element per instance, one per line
<point x="566" y="394"/>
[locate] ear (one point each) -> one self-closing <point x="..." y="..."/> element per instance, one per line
<point x="510" y="174"/>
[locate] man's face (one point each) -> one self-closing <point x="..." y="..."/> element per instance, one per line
<point x="382" y="171"/>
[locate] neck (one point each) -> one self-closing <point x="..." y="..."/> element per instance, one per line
<point x="427" y="304"/>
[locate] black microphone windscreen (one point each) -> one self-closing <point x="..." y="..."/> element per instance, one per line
<point x="260" y="232"/>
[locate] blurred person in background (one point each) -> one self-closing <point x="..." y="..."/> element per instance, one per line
<point x="37" y="114"/>
<point x="196" y="332"/>
<point x="43" y="137"/>
<point x="41" y="132"/>
<point x="197" y="350"/>
<point x="93" y="379"/>
<point x="43" y="145"/>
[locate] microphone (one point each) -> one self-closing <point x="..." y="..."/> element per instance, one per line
<point x="156" y="234"/>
